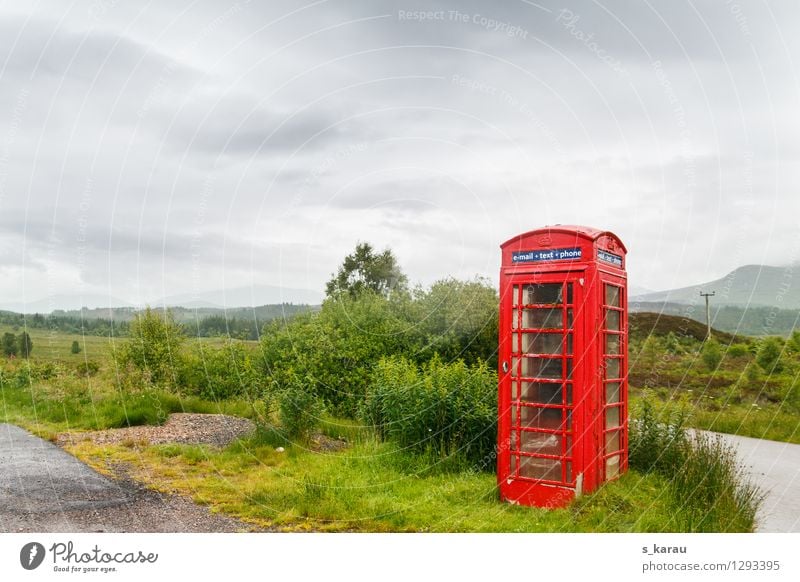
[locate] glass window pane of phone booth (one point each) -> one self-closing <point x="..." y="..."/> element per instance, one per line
<point x="612" y="467"/>
<point x="543" y="318"/>
<point x="612" y="393"/>
<point x="541" y="393"/>
<point x="539" y="468"/>
<point x="613" y="344"/>
<point x="543" y="293"/>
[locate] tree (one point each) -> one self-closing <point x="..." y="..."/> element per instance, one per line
<point x="365" y="270"/>
<point x="9" y="342"/>
<point x="458" y="320"/>
<point x="24" y="344"/>
<point x="76" y="347"/>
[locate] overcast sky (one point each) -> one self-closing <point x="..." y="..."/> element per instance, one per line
<point x="150" y="149"/>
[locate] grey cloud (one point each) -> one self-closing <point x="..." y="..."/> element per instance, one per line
<point x="258" y="132"/>
<point x="173" y="162"/>
<point x="41" y="48"/>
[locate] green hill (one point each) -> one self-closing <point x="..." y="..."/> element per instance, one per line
<point x="643" y="325"/>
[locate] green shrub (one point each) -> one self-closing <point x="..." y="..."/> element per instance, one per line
<point x="226" y="372"/>
<point x="338" y="347"/>
<point x="672" y="344"/>
<point x="793" y="343"/>
<point x="447" y="409"/>
<point x="708" y="487"/>
<point x="458" y="320"/>
<point x="299" y="409"/>
<point x="647" y="357"/>
<point x="657" y="442"/>
<point x="87" y="368"/>
<point x="713" y="490"/>
<point x="769" y="355"/>
<point x="711" y="354"/>
<point x="738" y="351"/>
<point x="153" y="351"/>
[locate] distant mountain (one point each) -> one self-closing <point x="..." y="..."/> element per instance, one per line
<point x="64" y="302"/>
<point x="748" y="286"/>
<point x="636" y="290"/>
<point x="242" y="297"/>
<point x="236" y="297"/>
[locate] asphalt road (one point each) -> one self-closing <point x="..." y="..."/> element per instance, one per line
<point x="775" y="468"/>
<point x="44" y="489"/>
<point x="36" y="476"/>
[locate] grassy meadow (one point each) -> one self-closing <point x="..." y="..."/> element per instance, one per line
<point x="385" y="479"/>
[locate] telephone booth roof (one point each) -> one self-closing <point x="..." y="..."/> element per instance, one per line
<point x="554" y="246"/>
<point x="585" y="232"/>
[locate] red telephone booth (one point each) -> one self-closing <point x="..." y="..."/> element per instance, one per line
<point x="563" y="393"/>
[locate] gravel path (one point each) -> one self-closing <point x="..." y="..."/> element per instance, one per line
<point x="207" y="429"/>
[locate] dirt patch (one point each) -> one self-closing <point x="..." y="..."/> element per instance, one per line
<point x="217" y="430"/>
<point x="325" y="444"/>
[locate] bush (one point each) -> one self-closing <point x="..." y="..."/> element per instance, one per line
<point x="738" y="350"/>
<point x="24" y="345"/>
<point x="227" y="372"/>
<point x="447" y="409"/>
<point x="711" y="354"/>
<point x="153" y="351"/>
<point x="793" y="343"/>
<point x="769" y="355"/>
<point x="672" y="344"/>
<point x="76" y="347"/>
<point x="647" y="359"/>
<point x="713" y="489"/>
<point x="657" y="442"/>
<point x="458" y="320"/>
<point x="338" y="347"/>
<point x="9" y="343"/>
<point x="88" y="368"/>
<point x="708" y="487"/>
<point x="299" y="409"/>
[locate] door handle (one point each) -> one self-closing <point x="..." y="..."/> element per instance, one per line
<point x="505" y="367"/>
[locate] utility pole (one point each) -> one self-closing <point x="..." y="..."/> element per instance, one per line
<point x="708" y="312"/>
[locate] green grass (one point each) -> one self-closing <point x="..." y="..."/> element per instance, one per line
<point x="371" y="487"/>
<point x="374" y="486"/>
<point x="74" y="405"/>
<point x="767" y="421"/>
<point x="708" y="485"/>
<point x="55" y="346"/>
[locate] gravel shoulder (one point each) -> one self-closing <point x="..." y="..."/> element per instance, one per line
<point x="216" y="430"/>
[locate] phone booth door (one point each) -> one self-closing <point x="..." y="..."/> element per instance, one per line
<point x="542" y="324"/>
